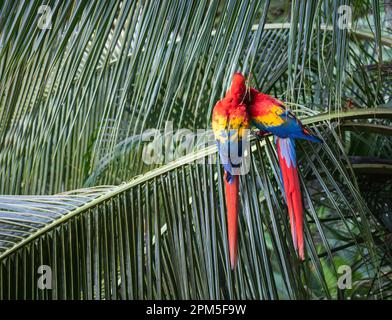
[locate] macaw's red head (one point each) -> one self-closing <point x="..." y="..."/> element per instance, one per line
<point x="238" y="87"/>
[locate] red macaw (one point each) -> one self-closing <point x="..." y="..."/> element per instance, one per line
<point x="270" y="115"/>
<point x="229" y="122"/>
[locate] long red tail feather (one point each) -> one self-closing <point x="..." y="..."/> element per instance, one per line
<point x="292" y="189"/>
<point x="231" y="190"/>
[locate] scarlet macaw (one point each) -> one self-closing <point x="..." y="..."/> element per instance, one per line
<point x="270" y="115"/>
<point x="229" y="122"/>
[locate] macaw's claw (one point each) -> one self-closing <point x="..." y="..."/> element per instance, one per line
<point x="260" y="134"/>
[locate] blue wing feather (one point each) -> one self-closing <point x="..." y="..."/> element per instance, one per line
<point x="232" y="147"/>
<point x="291" y="128"/>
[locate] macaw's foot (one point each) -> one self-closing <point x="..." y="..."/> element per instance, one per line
<point x="260" y="134"/>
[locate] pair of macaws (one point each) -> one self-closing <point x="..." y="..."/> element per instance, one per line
<point x="232" y="116"/>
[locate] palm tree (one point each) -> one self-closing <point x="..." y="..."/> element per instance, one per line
<point x="89" y="89"/>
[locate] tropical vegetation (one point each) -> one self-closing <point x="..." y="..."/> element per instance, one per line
<point x="89" y="89"/>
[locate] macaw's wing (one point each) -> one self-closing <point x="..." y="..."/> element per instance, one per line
<point x="268" y="110"/>
<point x="265" y="111"/>
<point x="238" y="129"/>
<point x="294" y="128"/>
<point x="230" y="132"/>
<point x="270" y="114"/>
<point x="220" y="123"/>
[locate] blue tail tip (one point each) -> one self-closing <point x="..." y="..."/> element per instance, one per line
<point x="229" y="177"/>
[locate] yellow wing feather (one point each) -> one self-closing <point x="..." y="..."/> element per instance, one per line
<point x="272" y="118"/>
